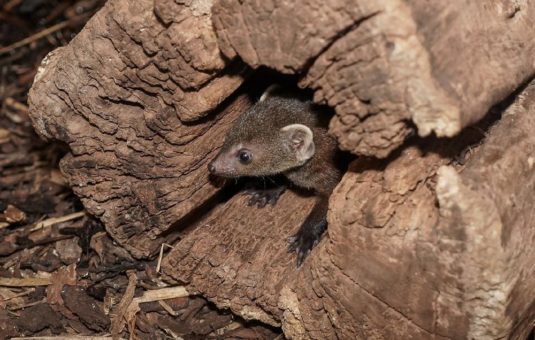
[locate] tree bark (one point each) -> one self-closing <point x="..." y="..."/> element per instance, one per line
<point x="418" y="246"/>
<point x="428" y="240"/>
<point x="135" y="96"/>
<point x="383" y="64"/>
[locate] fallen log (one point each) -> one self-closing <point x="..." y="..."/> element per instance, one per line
<point x="122" y="95"/>
<point x="418" y="246"/>
<point x="421" y="242"/>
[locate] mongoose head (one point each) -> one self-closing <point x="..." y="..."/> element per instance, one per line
<point x="286" y="148"/>
<point x="264" y="142"/>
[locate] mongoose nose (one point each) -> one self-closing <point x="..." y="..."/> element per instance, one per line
<point x="211" y="167"/>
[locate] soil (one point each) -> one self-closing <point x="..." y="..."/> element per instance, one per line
<point x="61" y="274"/>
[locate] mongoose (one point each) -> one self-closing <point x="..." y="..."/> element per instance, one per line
<point x="288" y="136"/>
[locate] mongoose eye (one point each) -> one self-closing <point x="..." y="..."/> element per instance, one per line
<point x="245" y="156"/>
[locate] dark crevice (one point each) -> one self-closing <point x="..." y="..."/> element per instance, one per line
<point x="124" y="102"/>
<point x="510" y="99"/>
<point x="253" y="87"/>
<point x="191" y="220"/>
<point x="474" y="135"/>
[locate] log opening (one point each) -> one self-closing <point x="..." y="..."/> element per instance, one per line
<point x="427" y="237"/>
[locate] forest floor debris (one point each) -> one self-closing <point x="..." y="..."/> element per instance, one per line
<point x="61" y="275"/>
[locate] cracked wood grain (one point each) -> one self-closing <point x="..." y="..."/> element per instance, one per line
<point x="418" y="245"/>
<point x="239" y="253"/>
<point x="390" y="68"/>
<point x="140" y="104"/>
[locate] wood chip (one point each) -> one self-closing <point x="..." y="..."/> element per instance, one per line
<point x="12" y="103"/>
<point x="63" y="276"/>
<point x="5" y="136"/>
<point x="13" y="214"/>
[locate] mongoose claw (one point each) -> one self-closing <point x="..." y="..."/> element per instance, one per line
<point x="263" y="197"/>
<point x="304" y="241"/>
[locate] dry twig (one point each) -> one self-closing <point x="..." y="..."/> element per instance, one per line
<point x="41" y="34"/>
<point x="120" y="313"/>
<point x="66" y="337"/>
<point x="55" y="220"/>
<point x="25" y="282"/>
<point x="160" y="256"/>
<point x="162" y="294"/>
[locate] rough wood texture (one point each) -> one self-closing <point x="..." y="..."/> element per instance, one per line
<point x="381" y="64"/>
<point x="239" y="254"/>
<point x="417" y="246"/>
<point x="121" y="95"/>
<point x="394" y="265"/>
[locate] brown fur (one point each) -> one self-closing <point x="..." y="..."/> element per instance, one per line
<point x="272" y="132"/>
<point x="259" y="131"/>
<point x="322" y="172"/>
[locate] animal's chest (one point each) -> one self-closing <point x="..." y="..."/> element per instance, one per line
<point x="300" y="181"/>
<point x="317" y="175"/>
<point x="304" y="177"/>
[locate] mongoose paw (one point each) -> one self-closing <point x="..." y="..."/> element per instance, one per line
<point x="303" y="242"/>
<point x="263" y="197"/>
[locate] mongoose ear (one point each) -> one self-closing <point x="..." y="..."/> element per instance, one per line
<point x="269" y="92"/>
<point x="301" y="140"/>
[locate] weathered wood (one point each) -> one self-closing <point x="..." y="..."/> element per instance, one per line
<point x="418" y="246"/>
<point x="239" y="254"/>
<point x="395" y="265"/>
<point x="381" y="64"/>
<point x="121" y="95"/>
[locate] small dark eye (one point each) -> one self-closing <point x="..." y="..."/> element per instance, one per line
<point x="245" y="156"/>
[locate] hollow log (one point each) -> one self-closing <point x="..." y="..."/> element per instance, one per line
<point x="383" y="64"/>
<point x="418" y="246"/>
<point x="430" y="239"/>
